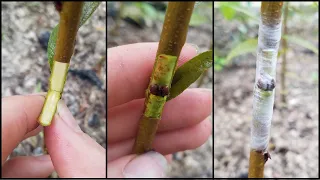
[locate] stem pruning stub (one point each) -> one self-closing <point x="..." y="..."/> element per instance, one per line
<point x="57" y="81"/>
<point x="266" y="156"/>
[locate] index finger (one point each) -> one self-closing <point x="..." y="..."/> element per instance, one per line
<point x="130" y="67"/>
<point x="19" y="117"/>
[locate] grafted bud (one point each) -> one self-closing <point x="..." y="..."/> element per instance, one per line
<point x="266" y="82"/>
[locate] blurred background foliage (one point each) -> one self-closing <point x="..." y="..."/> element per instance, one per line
<point x="244" y="39"/>
<point x="143" y="14"/>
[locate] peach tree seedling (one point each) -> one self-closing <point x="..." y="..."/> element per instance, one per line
<point x="60" y="49"/>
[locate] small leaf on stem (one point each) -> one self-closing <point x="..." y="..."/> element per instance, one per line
<point x="189" y="72"/>
<point x="88" y="9"/>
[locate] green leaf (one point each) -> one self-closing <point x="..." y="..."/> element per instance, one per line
<point x="150" y="14"/>
<point x="315" y="4"/>
<point x="134" y="12"/>
<point x="219" y="63"/>
<point x="149" y="11"/>
<point x="189" y="72"/>
<point x="203" y="4"/>
<point x="202" y="14"/>
<point x="52" y="45"/>
<point x="161" y="16"/>
<point x="131" y="9"/>
<point x="246" y="11"/>
<point x="218" y="67"/>
<point x="227" y="12"/>
<point x="315" y="77"/>
<point x="87" y="10"/>
<point x="198" y="19"/>
<point x="301" y="42"/>
<point x="38" y="87"/>
<point x="247" y="46"/>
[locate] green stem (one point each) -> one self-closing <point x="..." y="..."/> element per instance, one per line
<point x="173" y="37"/>
<point x="68" y="26"/>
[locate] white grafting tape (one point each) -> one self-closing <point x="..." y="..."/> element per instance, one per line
<point x="263" y="99"/>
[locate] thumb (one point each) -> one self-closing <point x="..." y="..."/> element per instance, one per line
<point x="73" y="153"/>
<point x="148" y="165"/>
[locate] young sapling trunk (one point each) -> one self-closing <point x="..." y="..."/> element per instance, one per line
<point x="263" y="100"/>
<point x="173" y="37"/>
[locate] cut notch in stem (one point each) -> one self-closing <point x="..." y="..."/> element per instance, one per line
<point x="68" y="27"/>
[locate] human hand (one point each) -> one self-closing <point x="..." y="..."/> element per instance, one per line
<point x="183" y="126"/>
<point x="73" y="153"/>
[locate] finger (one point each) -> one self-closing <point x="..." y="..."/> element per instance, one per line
<point x="167" y="142"/>
<point x="188" y="109"/>
<point x="147" y="165"/>
<point x="73" y="153"/>
<point x="28" y="167"/>
<point x="34" y="132"/>
<point x="129" y="69"/>
<point x="115" y="168"/>
<point x="168" y="158"/>
<point x="19" y="117"/>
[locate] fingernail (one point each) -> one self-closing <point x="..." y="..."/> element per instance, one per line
<point x="43" y="158"/>
<point x="195" y="47"/>
<point x="66" y="115"/>
<point x="148" y="165"/>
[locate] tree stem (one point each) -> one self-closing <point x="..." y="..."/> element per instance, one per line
<point x="256" y="165"/>
<point x="173" y="37"/>
<point x="268" y="45"/>
<point x="68" y="27"/>
<point x="283" y="92"/>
